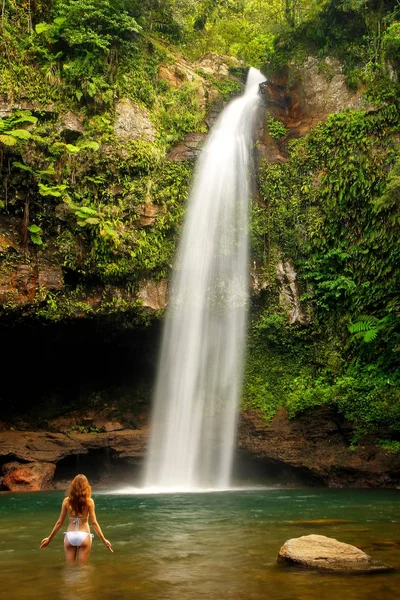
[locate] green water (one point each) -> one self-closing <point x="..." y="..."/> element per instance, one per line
<point x="195" y="546"/>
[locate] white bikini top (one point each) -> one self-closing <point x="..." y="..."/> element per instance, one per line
<point x="77" y="521"/>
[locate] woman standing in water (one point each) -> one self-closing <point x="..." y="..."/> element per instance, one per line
<point x="78" y="506"/>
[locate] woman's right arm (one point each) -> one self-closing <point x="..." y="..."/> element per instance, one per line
<point x="96" y="526"/>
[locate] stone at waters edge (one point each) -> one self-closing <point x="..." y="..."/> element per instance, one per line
<point x="328" y="555"/>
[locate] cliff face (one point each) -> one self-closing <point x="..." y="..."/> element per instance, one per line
<point x="92" y="203"/>
<point x="314" y="449"/>
<point x="110" y="267"/>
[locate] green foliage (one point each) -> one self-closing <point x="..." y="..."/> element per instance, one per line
<point x="10" y="134"/>
<point x="226" y="87"/>
<point x="333" y="210"/>
<point x="180" y="112"/>
<point x="391" y="44"/>
<point x="84" y="429"/>
<point x="368" y="327"/>
<point x="34" y="232"/>
<point x="276" y="128"/>
<point x="391" y="446"/>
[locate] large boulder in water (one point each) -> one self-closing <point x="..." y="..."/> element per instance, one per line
<point x="329" y="555"/>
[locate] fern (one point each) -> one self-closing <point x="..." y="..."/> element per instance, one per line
<point x="367" y="327"/>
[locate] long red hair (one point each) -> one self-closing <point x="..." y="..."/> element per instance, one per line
<point x="79" y="495"/>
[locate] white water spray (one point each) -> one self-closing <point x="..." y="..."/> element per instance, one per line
<point x="202" y="354"/>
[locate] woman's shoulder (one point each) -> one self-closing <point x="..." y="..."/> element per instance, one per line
<point x="65" y="501"/>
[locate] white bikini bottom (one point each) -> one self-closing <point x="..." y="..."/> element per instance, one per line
<point x="76" y="538"/>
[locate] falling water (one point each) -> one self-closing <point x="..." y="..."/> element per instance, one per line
<point x="202" y="353"/>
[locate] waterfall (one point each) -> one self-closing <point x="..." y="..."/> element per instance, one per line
<point x="202" y="353"/>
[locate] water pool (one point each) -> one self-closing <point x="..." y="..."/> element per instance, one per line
<point x="195" y="546"/>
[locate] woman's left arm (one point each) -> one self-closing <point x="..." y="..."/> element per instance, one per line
<point x="57" y="526"/>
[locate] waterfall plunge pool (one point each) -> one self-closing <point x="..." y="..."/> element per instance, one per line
<point x="195" y="546"/>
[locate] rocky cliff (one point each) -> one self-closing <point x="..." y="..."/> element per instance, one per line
<point x="311" y="450"/>
<point x="109" y="266"/>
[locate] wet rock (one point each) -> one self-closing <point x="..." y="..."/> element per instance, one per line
<point x="289" y="293"/>
<point x="132" y="122"/>
<point x="385" y="544"/>
<point x="154" y="294"/>
<point x="317" y="448"/>
<point x="329" y="555"/>
<point x="30" y="477"/>
<point x="189" y="149"/>
<point x="321" y="522"/>
<point x="216" y="106"/>
<point x="258" y="279"/>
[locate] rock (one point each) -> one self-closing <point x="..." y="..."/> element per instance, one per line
<point x="289" y="293"/>
<point x="189" y="149"/>
<point x="50" y="277"/>
<point x="302" y="97"/>
<point x="153" y="293"/>
<point x="38" y="447"/>
<point x="258" y="279"/>
<point x="133" y="123"/>
<point x="112" y="426"/>
<point x="30" y="477"/>
<point x="148" y="214"/>
<point x="6" y="244"/>
<point x="71" y="127"/>
<point x="171" y="75"/>
<point x="323" y="90"/>
<point x="385" y="543"/>
<point x="321" y="522"/>
<point x="214" y="65"/>
<point x="7" y="108"/>
<point x="22" y="283"/>
<point x="317" y="449"/>
<point x="327" y="554"/>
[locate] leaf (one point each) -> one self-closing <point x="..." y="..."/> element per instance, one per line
<point x="26" y="119"/>
<point x="42" y="27"/>
<point x="85" y="211"/>
<point x="34" y="228"/>
<point x="92" y="221"/>
<point x="8" y="140"/>
<point x="47" y="190"/>
<point x="36" y="239"/>
<point x="19" y="165"/>
<point x="21" y="134"/>
<point x="71" y="149"/>
<point x="91" y="145"/>
<point x="370" y="335"/>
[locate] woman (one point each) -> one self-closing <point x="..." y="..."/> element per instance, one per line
<point x="78" y="506"/>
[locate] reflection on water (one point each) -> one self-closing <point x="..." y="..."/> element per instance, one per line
<point x="78" y="582"/>
<point x="197" y="546"/>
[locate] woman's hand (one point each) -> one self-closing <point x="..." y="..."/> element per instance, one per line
<point x="108" y="545"/>
<point x="45" y="543"/>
